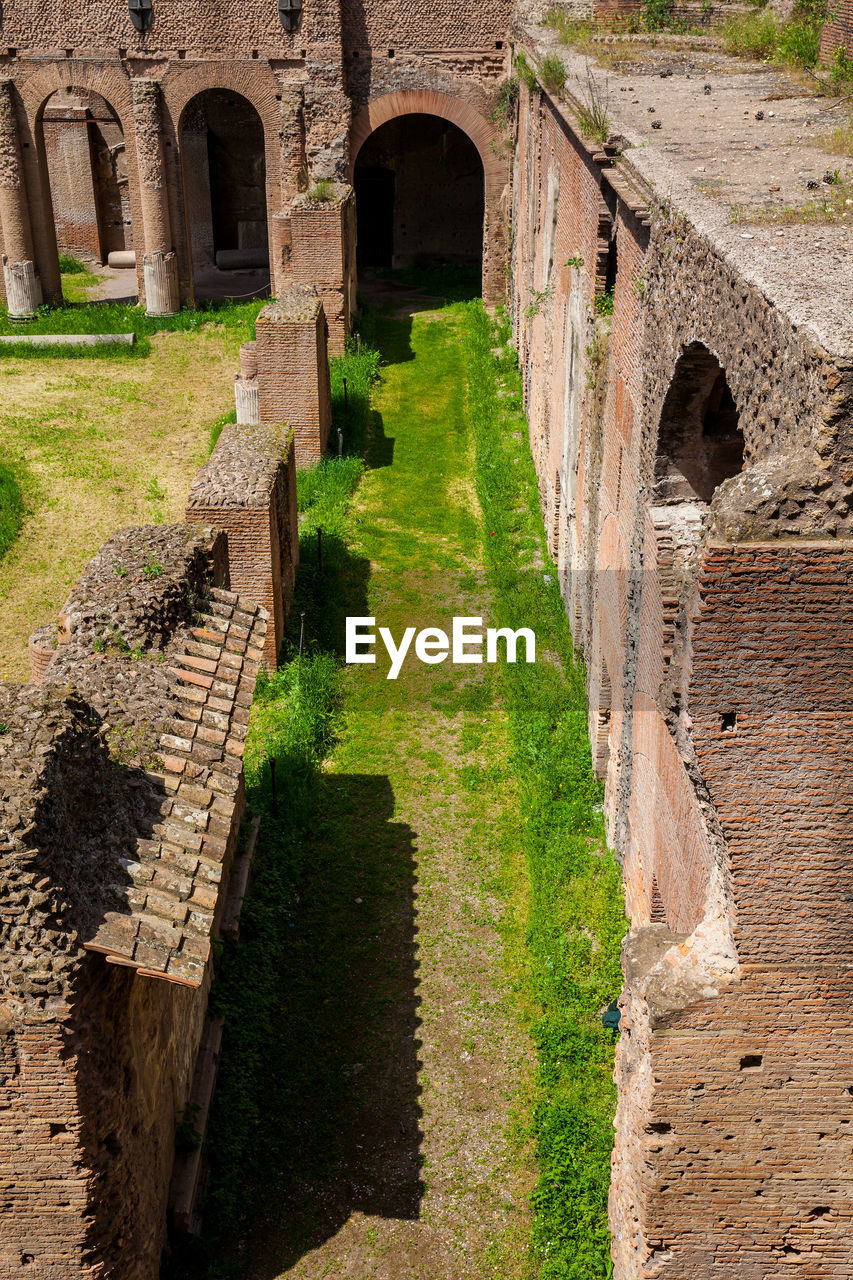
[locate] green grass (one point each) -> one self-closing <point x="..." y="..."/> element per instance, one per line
<point x="461" y="798"/>
<point x="11" y="507"/>
<point x="236" y="318"/>
<point x="72" y="266"/>
<point x="576" y="915"/>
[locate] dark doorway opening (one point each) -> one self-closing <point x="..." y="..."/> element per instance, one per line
<point x="700" y="443"/>
<point x="420" y="196"/>
<point x="224" y="170"/>
<point x="374" y="187"/>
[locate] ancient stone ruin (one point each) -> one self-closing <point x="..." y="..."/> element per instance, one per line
<point x="695" y="460"/>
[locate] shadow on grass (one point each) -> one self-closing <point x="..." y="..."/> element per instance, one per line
<point x="340" y="1092"/>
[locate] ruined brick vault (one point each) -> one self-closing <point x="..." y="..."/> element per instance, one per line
<point x="695" y="458"/>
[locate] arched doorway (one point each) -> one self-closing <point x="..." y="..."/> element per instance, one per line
<point x="700" y="443"/>
<point x="224" y="175"/>
<point x="87" y="169"/>
<point x="420" y="195"/>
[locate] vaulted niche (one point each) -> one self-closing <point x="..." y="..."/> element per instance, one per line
<point x="419" y="188"/>
<point x="225" y="199"/>
<point x="699" y="441"/>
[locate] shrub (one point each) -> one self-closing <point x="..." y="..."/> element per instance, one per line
<point x="526" y="74"/>
<point x="322" y="191"/>
<point x="552" y="73"/>
<point x="72" y="266"/>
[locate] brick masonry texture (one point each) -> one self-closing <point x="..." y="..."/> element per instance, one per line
<point x="121" y="801"/>
<point x="717" y="640"/>
<point x="307" y="87"/>
<point x="248" y="489"/>
<point x="293" y="369"/>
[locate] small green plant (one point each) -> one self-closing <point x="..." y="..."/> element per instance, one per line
<point x="322" y="191"/>
<point x="552" y="73"/>
<point x="576" y="261"/>
<point x="638" y="284"/>
<point x="119" y="571"/>
<point x="99" y="644"/>
<point x="4" y="728"/>
<point x="152" y="568"/>
<point x="604" y="302"/>
<point x="841" y="69"/>
<point x="592" y="114"/>
<point x="657" y="14"/>
<point x="525" y="72"/>
<point x="72" y="266"/>
<point x="137" y="652"/>
<point x="538" y="297"/>
<point x="504" y="111"/>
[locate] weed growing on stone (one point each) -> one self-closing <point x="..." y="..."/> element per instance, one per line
<point x="525" y="72"/>
<point x="552" y="73"/>
<point x="322" y="191"/>
<point x="761" y="36"/>
<point x="576" y="913"/>
<point x="592" y="114"/>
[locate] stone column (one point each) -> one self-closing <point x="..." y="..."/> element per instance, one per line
<point x="159" y="261"/>
<point x="23" y="287"/>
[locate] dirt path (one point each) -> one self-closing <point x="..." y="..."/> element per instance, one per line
<point x="413" y="1059"/>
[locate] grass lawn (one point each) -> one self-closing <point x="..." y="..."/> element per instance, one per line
<point x="95" y="443"/>
<point x="415" y="1081"/>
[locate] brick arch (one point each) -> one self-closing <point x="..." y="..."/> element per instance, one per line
<point x="35" y="89"/>
<point x="408" y="102"/>
<point x="109" y="83"/>
<point x="484" y="137"/>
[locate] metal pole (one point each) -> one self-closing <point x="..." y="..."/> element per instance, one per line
<point x="301" y="632"/>
<point x="340" y="442"/>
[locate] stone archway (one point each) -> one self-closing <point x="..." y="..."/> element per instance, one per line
<point x="478" y="129"/>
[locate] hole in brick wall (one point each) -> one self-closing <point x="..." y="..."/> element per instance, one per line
<point x="69" y="53"/>
<point x="612" y="265"/>
<point x="182" y="53"/>
<point x="658" y="1126"/>
<point x="354" y="53"/>
<point x="254" y="53"/>
<point x="390" y="53"/>
<point x="751" y="1061"/>
<point x="26" y="1259"/>
<point x="499" y="44"/>
<point x="122" y="53"/>
<point x="820" y="1211"/>
<point x="700" y="443"/>
<point x="58" y="1128"/>
<point x="728" y="722"/>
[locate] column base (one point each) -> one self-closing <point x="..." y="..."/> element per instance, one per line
<point x="160" y="278"/>
<point x="23" y="289"/>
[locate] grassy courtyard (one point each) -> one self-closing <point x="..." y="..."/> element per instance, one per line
<point x="96" y="443"/>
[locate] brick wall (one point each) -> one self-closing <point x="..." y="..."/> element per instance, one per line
<point x="322" y="256"/>
<point x="838" y="30"/>
<point x="293" y="370"/>
<point x="248" y="489"/>
<point x="716" y="637"/>
<point x="122" y="799"/>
